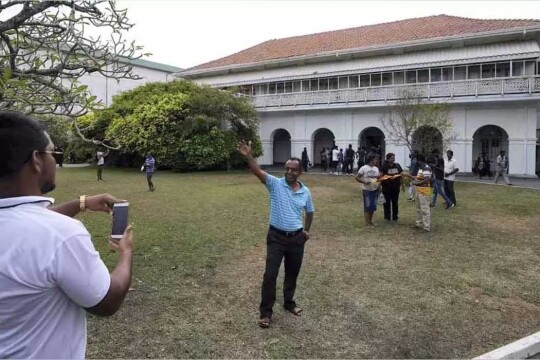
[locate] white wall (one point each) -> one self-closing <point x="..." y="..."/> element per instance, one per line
<point x="518" y="120"/>
<point x="105" y="88"/>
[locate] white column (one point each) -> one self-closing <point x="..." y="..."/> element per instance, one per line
<point x="521" y="157"/>
<point x="268" y="153"/>
<point x="463" y="153"/>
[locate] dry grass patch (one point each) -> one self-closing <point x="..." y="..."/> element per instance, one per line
<point x="389" y="292"/>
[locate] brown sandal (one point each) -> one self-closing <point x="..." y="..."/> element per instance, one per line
<point x="264" y="322"/>
<point x="295" y="310"/>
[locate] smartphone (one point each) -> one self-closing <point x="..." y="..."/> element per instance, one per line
<point x="120" y="220"/>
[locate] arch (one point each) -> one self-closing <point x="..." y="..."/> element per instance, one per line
<point x="321" y="138"/>
<point x="281" y="146"/>
<point x="426" y="139"/>
<point x="372" y="137"/>
<point x="489" y="139"/>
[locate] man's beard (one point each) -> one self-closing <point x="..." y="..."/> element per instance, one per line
<point x="48" y="187"/>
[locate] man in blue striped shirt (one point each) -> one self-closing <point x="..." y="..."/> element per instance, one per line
<point x="289" y="199"/>
<point x="149" y="167"/>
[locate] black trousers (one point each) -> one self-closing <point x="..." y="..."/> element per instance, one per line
<point x="99" y="172"/>
<point x="279" y="246"/>
<point x="449" y="190"/>
<point x="349" y="166"/>
<point x="391" y="197"/>
<point x="305" y="165"/>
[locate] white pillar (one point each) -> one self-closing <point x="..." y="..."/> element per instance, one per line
<point x="268" y="153"/>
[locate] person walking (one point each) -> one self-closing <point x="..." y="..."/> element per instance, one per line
<point x="289" y="199"/>
<point x="422" y="182"/>
<point x="413" y="171"/>
<point x="335" y="160"/>
<point x="149" y="167"/>
<point x="391" y="184"/>
<point x="349" y="160"/>
<point x="450" y="170"/>
<point x="100" y="155"/>
<point x="50" y="273"/>
<point x="324" y="159"/>
<point x="305" y="160"/>
<point x="341" y="161"/>
<point x="368" y="176"/>
<point x="437" y="167"/>
<point x="361" y="156"/>
<point x="502" y="168"/>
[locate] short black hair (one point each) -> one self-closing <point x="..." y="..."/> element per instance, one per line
<point x="20" y="135"/>
<point x="372" y="157"/>
<point x="450" y="151"/>
<point x="294" y="158"/>
<point x="389" y="155"/>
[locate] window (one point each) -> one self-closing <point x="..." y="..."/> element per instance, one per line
<point x="503" y="70"/>
<point x="343" y="82"/>
<point x="435" y="75"/>
<point x="447" y="74"/>
<point x="323" y="84"/>
<point x="410" y="76"/>
<point x="314" y="85"/>
<point x="376" y="79"/>
<point x="423" y="75"/>
<point x="474" y="72"/>
<point x="288" y="87"/>
<point x="488" y="71"/>
<point x="333" y="83"/>
<point x="399" y="78"/>
<point x="364" y="80"/>
<point x="305" y="85"/>
<point x="280" y="87"/>
<point x="387" y="79"/>
<point x="272" y="88"/>
<point x="517" y="68"/>
<point x="354" y="81"/>
<point x="529" y="68"/>
<point x="296" y="86"/>
<point x="460" y="73"/>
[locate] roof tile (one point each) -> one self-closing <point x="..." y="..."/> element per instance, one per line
<point x="364" y="37"/>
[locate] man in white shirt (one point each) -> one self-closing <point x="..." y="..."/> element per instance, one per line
<point x="101" y="163"/>
<point x="368" y="176"/>
<point x="450" y="170"/>
<point x="50" y="272"/>
<point x="335" y="160"/>
<point x="502" y="168"/>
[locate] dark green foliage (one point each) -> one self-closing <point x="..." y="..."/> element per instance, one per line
<point x="184" y="126"/>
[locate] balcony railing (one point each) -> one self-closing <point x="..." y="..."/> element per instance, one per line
<point x="448" y="89"/>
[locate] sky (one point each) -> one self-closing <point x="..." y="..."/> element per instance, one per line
<point x="187" y="33"/>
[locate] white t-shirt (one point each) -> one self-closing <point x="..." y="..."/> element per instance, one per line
<point x="101" y="158"/>
<point x="335" y="155"/>
<point x="369" y="173"/>
<point x="49" y="272"/>
<point x="449" y="166"/>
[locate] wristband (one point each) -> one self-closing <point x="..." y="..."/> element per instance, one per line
<point x="82" y="202"/>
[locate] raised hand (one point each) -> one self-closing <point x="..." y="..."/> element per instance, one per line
<point x="244" y="148"/>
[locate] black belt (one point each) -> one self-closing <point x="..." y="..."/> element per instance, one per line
<point x="286" y="233"/>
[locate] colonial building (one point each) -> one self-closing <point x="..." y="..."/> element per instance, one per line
<point x="313" y="90"/>
<point x="105" y="88"/>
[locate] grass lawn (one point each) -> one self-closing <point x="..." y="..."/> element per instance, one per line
<point x="389" y="292"/>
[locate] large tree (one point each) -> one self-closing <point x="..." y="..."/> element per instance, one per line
<point x="419" y="124"/>
<point x="48" y="45"/>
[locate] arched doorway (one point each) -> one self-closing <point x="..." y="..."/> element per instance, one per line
<point x="426" y="139"/>
<point x="282" y="146"/>
<point x="371" y="138"/>
<point x="322" y="138"/>
<point x="489" y="139"/>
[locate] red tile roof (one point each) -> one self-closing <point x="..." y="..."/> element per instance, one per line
<point x="385" y="34"/>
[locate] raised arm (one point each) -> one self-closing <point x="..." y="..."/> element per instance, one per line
<point x="245" y="149"/>
<point x="103" y="203"/>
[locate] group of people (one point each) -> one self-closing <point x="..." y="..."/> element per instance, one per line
<point x="428" y="179"/>
<point x="340" y="162"/>
<point x="482" y="167"/>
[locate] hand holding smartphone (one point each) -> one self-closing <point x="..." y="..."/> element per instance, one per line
<point x="120" y="220"/>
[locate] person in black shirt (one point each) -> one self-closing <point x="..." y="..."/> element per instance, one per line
<point x="305" y="160"/>
<point x="437" y="165"/>
<point x="391" y="184"/>
<point x="349" y="160"/>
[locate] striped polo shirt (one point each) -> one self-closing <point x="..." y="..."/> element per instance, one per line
<point x="287" y="205"/>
